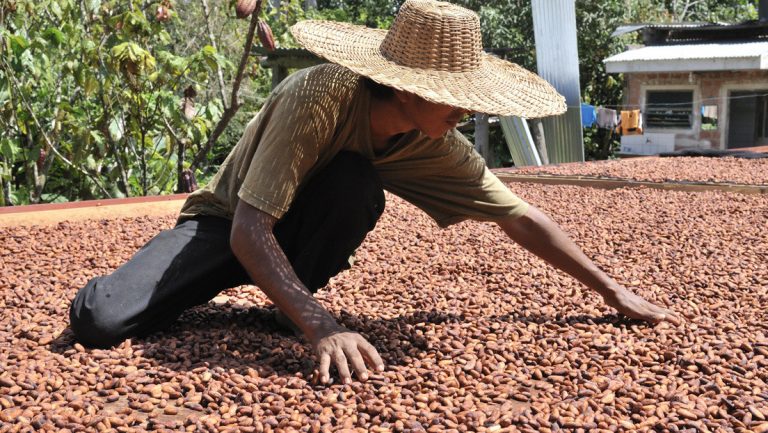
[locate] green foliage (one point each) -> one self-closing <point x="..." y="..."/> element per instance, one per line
<point x="655" y="11"/>
<point x="90" y="96"/>
<point x="371" y="13"/>
<point x="91" y="90"/>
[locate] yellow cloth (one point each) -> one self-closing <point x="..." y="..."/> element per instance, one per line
<point x="319" y="111"/>
<point x="631" y="123"/>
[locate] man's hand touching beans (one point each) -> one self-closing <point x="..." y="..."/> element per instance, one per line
<point x="635" y="307"/>
<point x="345" y="348"/>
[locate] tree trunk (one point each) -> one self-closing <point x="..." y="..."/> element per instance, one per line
<point x="482" y="142"/>
<point x="3" y="200"/>
<point x="180" y="166"/>
<point x="537" y="132"/>
<point x="7" y="193"/>
<point x="30" y="168"/>
<point x="234" y="103"/>
<point x="606" y="138"/>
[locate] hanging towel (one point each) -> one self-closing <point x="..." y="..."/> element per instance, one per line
<point x="606" y="118"/>
<point x="709" y="111"/>
<point x="631" y="122"/>
<point x="588" y="115"/>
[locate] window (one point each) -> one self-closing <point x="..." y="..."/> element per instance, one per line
<point x="669" y="109"/>
<point x="708" y="117"/>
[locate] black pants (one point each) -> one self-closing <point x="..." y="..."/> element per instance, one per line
<point x="191" y="263"/>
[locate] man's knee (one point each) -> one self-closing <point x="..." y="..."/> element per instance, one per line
<point x="93" y="320"/>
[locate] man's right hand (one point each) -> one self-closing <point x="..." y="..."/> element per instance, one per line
<point x="254" y="244"/>
<point x="344" y="348"/>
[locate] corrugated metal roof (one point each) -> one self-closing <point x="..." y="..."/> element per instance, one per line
<point x="680" y="33"/>
<point x="682" y="25"/>
<point x="635" y="27"/>
<point x="691" y="58"/>
<point x="693" y="51"/>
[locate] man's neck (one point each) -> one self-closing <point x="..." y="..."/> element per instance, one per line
<point x="387" y="122"/>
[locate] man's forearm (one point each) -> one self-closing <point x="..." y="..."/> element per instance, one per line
<point x="540" y="235"/>
<point x="258" y="251"/>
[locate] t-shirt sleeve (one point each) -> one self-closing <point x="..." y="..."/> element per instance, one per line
<point x="296" y="128"/>
<point x="451" y="183"/>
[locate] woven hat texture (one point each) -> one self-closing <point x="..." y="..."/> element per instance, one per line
<point x="434" y="49"/>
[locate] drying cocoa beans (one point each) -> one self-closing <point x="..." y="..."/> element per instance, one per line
<point x="478" y="335"/>
<point x="679" y="169"/>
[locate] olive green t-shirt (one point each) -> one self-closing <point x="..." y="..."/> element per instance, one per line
<point x="318" y="112"/>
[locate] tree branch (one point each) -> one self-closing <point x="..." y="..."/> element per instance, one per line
<point x="688" y="5"/>
<point x="219" y="73"/>
<point x="47" y="139"/>
<point x="42" y="178"/>
<point x="179" y="154"/>
<point x="234" y="103"/>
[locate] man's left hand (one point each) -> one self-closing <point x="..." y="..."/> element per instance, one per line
<point x="635" y="307"/>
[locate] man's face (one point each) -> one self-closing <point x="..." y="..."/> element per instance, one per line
<point x="432" y="119"/>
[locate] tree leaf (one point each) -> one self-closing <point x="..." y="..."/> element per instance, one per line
<point x="55" y="9"/>
<point x="91" y="163"/>
<point x="18" y="44"/>
<point x="22" y="126"/>
<point x="98" y="140"/>
<point x="208" y="50"/>
<point x="54" y="36"/>
<point x="90" y="85"/>
<point x="115" y="130"/>
<point x="8" y="149"/>
<point x="92" y="5"/>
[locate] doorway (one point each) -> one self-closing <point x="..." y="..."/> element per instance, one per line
<point x="748" y="118"/>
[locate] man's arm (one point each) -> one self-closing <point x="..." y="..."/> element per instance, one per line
<point x="255" y="246"/>
<point x="540" y="235"/>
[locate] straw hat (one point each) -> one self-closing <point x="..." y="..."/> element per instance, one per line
<point x="434" y="49"/>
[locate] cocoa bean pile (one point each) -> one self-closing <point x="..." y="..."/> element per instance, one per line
<point x="477" y="334"/>
<point x="678" y="169"/>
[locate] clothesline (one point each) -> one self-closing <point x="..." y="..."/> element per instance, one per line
<point x="698" y="101"/>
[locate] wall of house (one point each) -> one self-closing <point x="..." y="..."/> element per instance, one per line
<point x="708" y="88"/>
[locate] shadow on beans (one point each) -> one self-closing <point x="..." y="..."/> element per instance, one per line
<point x="238" y="338"/>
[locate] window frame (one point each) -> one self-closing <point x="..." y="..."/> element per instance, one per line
<point x="696" y="107"/>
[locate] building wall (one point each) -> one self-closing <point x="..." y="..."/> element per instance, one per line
<point x="709" y="88"/>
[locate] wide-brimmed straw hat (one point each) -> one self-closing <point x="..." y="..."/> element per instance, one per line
<point x="434" y="49"/>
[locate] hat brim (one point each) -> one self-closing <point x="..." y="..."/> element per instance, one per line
<point x="496" y="87"/>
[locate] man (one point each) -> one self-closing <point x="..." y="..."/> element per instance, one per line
<point x="304" y="185"/>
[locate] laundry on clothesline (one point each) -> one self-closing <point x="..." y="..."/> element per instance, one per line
<point x="588" y="115"/>
<point x="709" y="111"/>
<point x="606" y="118"/>
<point x="631" y="123"/>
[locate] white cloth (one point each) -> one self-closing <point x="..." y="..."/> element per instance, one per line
<point x="606" y="118"/>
